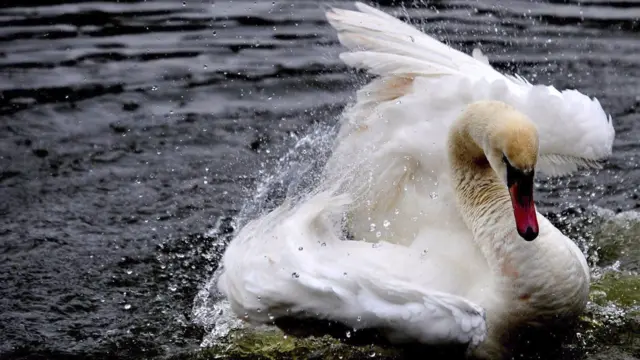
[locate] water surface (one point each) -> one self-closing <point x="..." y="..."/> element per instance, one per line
<point x="129" y="129"/>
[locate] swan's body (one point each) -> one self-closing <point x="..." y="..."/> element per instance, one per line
<point x="448" y="265"/>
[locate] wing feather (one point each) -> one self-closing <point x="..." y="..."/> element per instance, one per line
<point x="305" y="267"/>
<point x="574" y="129"/>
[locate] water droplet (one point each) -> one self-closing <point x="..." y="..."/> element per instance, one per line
<point x="295" y="275"/>
<point x="348" y="334"/>
<point x="300" y="248"/>
<point x="127" y="306"/>
<point x="205" y="66"/>
<point x="372" y="227"/>
<point x="386" y="223"/>
<point x="323" y="244"/>
<point x="173" y="288"/>
<point x="378" y="234"/>
<point x="154" y="88"/>
<point x="215" y="33"/>
<point x="129" y="272"/>
<point x="397" y="212"/>
<point x="359" y="318"/>
<point x="433" y="195"/>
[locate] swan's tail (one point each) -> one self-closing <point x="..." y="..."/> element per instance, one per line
<point x="295" y="261"/>
<point x="384" y="45"/>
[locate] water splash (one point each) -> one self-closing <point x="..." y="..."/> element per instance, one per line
<point x="296" y="172"/>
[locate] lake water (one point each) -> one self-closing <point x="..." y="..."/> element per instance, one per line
<point x="130" y="129"/>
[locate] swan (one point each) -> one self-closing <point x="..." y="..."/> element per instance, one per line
<point x="432" y="177"/>
<point x="483" y="277"/>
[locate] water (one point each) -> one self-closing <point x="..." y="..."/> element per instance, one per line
<point x="134" y="135"/>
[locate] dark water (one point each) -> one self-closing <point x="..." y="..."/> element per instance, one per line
<point x="130" y="128"/>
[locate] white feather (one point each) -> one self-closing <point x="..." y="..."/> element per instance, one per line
<point x="363" y="287"/>
<point x="377" y="32"/>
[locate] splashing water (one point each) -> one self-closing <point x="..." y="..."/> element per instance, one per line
<point x="296" y="172"/>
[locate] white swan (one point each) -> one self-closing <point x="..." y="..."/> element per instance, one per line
<point x="295" y="260"/>
<point x="447" y="250"/>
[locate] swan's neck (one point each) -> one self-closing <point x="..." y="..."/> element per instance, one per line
<point x="482" y="198"/>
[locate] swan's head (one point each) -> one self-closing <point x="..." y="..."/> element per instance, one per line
<point x="513" y="153"/>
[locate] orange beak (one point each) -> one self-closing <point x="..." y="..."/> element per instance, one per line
<point x="521" y="191"/>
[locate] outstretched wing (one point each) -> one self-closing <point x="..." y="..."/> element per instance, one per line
<point x="574" y="129"/>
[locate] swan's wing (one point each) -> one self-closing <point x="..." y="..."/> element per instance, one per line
<point x="391" y="151"/>
<point x="294" y="262"/>
<point x="574" y="129"/>
<point x="575" y="132"/>
<point x="385" y="45"/>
